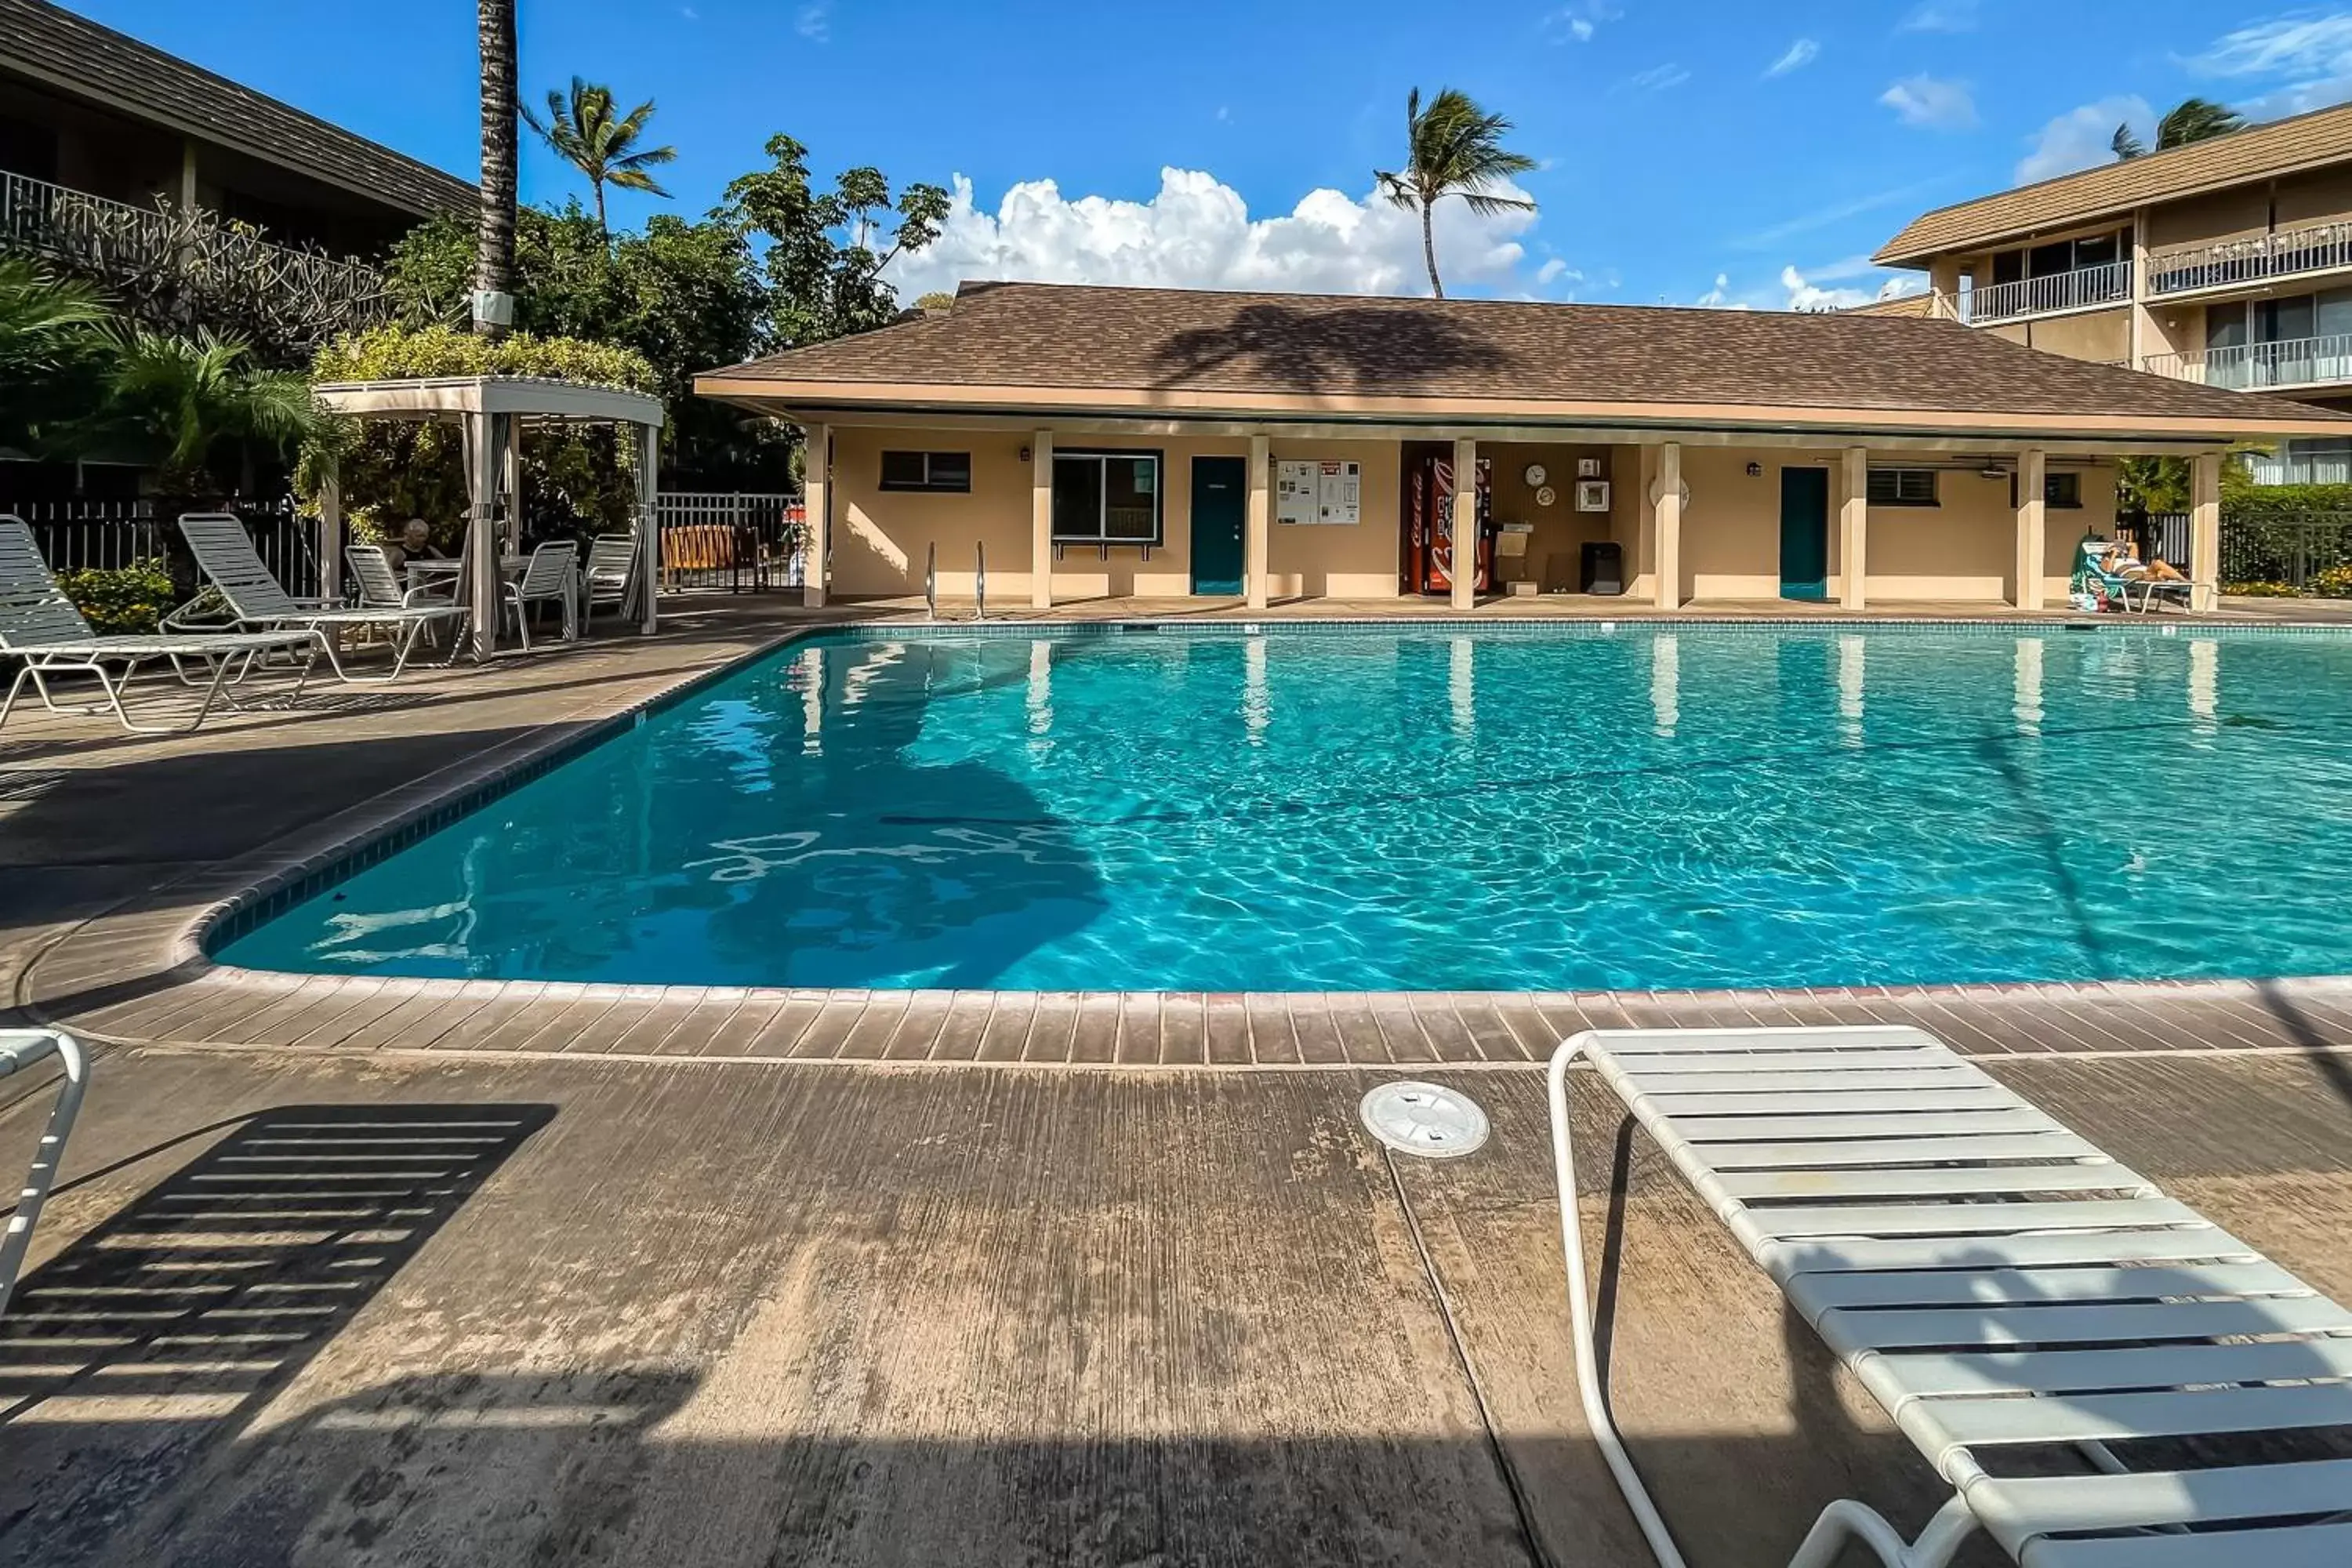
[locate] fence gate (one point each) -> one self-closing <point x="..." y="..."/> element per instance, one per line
<point x="741" y="541"/>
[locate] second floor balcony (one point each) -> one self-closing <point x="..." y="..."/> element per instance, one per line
<point x="178" y="268"/>
<point x="2288" y="253"/>
<point x="2291" y="363"/>
<point x="2053" y="293"/>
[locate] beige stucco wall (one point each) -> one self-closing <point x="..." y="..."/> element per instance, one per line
<point x="2101" y="335"/>
<point x="1962" y="548"/>
<point x="2322" y="196"/>
<point x="2224" y="215"/>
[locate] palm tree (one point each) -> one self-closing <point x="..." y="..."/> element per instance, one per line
<point x="584" y="135"/>
<point x="49" y="350"/>
<point x="180" y="397"/>
<point x="1453" y="148"/>
<point x="2191" y="120"/>
<point x="494" y="241"/>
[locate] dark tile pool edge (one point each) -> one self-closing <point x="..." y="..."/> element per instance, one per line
<point x="265" y="882"/>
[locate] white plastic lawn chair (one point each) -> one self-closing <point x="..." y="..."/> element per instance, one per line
<point x="255" y="598"/>
<point x="611" y="572"/>
<point x="550" y="576"/>
<point x="21" y="1050"/>
<point x="40" y="626"/>
<point x="378" y="584"/>
<point x="1999" y="1284"/>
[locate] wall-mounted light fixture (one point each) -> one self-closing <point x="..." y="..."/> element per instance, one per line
<point x="1024" y="454"/>
<point x="1755" y="471"/>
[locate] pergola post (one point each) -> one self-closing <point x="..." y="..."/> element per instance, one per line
<point x="816" y="501"/>
<point x="648" y="525"/>
<point x="331" y="534"/>
<point x="1041" y="521"/>
<point x="2032" y="473"/>
<point x="510" y="482"/>
<point x="2205" y="531"/>
<point x="481" y="551"/>
<point x="1462" y="556"/>
<point x="1854" y="525"/>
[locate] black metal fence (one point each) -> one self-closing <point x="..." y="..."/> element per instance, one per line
<point x="83" y="535"/>
<point x="2299" y="551"/>
<point x="2158" y="536"/>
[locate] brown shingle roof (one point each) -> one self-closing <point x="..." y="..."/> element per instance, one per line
<point x="1900" y="305"/>
<point x="1124" y="342"/>
<point x="2258" y="153"/>
<point x="56" y="47"/>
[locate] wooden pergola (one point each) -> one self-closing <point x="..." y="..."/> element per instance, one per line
<point x="492" y="411"/>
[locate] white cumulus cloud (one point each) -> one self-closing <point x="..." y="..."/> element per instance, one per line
<point x="1196" y="232"/>
<point x="2084" y="138"/>
<point x="1931" y="103"/>
<point x="1579" y="20"/>
<point x="2308" y="58"/>
<point x="1796" y="58"/>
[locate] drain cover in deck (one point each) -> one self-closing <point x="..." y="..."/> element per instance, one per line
<point x="1425" y="1119"/>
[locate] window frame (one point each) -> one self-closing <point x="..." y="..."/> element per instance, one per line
<point x="1103" y="457"/>
<point x="2053" y="482"/>
<point x="1895" y="498"/>
<point x="929" y="486"/>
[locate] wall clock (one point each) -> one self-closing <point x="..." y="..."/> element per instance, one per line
<point x="1536" y="477"/>
<point x="1546" y="495"/>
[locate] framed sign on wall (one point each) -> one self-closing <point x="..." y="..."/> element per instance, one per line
<point x="1592" y="495"/>
<point x="1313" y="492"/>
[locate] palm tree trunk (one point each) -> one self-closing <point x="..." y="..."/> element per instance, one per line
<point x="603" y="232"/>
<point x="1429" y="251"/>
<point x="494" y="245"/>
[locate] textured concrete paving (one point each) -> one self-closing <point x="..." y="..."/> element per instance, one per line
<point x="332" y="1311"/>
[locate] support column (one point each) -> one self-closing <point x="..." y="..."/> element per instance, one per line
<point x="188" y="194"/>
<point x="511" y="484"/>
<point x="1668" y="509"/>
<point x="648" y="525"/>
<point x="2032" y="467"/>
<point x="1854" y="525"/>
<point x="331" y="535"/>
<point x="1257" y="541"/>
<point x="2142" y="336"/>
<point x="2205" y="531"/>
<point x="1041" y="521"/>
<point x="1944" y="287"/>
<point x="817" y="502"/>
<point x="1461" y="563"/>
<point x="482" y="434"/>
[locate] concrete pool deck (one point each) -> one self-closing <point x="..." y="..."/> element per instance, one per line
<point x="801" y="1276"/>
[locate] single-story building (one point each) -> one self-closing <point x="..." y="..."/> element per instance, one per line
<point x="1169" y="443"/>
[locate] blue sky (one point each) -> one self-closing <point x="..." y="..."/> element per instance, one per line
<point x="1692" y="153"/>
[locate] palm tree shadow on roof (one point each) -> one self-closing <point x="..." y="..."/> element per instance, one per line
<point x="1351" y="348"/>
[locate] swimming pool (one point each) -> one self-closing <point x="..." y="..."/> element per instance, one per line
<point x="1405" y="807"/>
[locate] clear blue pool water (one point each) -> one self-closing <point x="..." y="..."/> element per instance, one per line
<point x="1368" y="809"/>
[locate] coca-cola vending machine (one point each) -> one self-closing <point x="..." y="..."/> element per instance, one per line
<point x="1429" y="524"/>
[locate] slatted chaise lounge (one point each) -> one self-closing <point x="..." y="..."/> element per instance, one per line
<point x="255" y="599"/>
<point x="2001" y="1287"/>
<point x="40" y="626"/>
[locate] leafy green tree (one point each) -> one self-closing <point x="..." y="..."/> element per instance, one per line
<point x="179" y="399"/>
<point x="585" y="133"/>
<point x="1453" y="148"/>
<point x="938" y="302"/>
<point x="2191" y="120"/>
<point x="826" y="249"/>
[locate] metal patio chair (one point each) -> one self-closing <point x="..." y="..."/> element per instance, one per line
<point x="550" y="577"/>
<point x="1998" y="1284"/>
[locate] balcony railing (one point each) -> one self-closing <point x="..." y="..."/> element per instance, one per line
<point x="2084" y="288"/>
<point x="174" y="267"/>
<point x="2322" y="247"/>
<point x="2258" y="367"/>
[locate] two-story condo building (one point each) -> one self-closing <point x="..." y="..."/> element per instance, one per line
<point x="2226" y="263"/>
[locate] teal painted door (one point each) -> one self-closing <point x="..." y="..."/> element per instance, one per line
<point x="1220" y="499"/>
<point x="1804" y="533"/>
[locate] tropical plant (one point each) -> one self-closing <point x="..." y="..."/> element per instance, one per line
<point x="1453" y="148"/>
<point x="494" y="239"/>
<point x="582" y="131"/>
<point x="50" y="351"/>
<point x="179" y="398"/>
<point x="2191" y="120"/>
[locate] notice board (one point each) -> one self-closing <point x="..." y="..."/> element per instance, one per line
<point x="1318" y="492"/>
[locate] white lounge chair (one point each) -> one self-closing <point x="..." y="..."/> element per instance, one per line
<point x="41" y="626"/>
<point x="1995" y="1282"/>
<point x="550" y="577"/>
<point x="22" y="1050"/>
<point x="255" y="598"/>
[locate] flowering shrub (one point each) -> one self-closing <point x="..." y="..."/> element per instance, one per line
<point x="2260" y="590"/>
<point x="2336" y="583"/>
<point x="119" y="598"/>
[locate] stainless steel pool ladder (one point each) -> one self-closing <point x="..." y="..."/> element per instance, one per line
<point x="979" y="580"/>
<point x="21" y="1049"/>
<point x="931" y="581"/>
